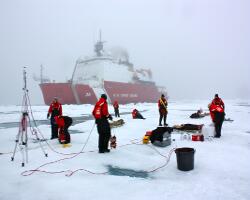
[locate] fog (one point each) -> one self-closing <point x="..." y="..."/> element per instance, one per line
<point x="195" y="48"/>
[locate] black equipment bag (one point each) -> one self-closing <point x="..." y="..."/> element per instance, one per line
<point x="158" y="133"/>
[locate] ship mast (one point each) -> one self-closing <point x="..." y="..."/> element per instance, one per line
<point x="41" y="74"/>
<point x="73" y="85"/>
<point x="100" y="35"/>
<point x="99" y="45"/>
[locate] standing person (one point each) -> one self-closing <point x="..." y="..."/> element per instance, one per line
<point x="102" y="115"/>
<point x="217" y="112"/>
<point x="116" y="108"/>
<point x="55" y="109"/>
<point x="162" y="105"/>
<point x="216" y="101"/>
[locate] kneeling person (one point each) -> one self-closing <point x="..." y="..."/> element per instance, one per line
<point x="63" y="122"/>
<point x="137" y="115"/>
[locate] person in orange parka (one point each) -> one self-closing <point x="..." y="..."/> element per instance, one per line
<point x="55" y="109"/>
<point x="217" y="101"/>
<point x="162" y="105"/>
<point x="217" y="113"/>
<point x="116" y="109"/>
<point x="101" y="114"/>
<point x="63" y="123"/>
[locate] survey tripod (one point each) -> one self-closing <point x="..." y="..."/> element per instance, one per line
<point x="26" y="125"/>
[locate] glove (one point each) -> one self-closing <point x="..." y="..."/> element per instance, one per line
<point x="48" y="116"/>
<point x="110" y="117"/>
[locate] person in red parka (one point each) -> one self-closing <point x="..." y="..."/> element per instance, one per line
<point x="162" y="105"/>
<point x="55" y="109"/>
<point x="116" y="108"/>
<point x="137" y="115"/>
<point x="217" y="113"/>
<point x="63" y="123"/>
<point x="218" y="101"/>
<point x="101" y="114"/>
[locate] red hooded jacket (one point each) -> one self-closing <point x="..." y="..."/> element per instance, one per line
<point x="215" y="108"/>
<point x="134" y="113"/>
<point x="55" y="106"/>
<point x="100" y="109"/>
<point x="218" y="101"/>
<point x="59" y="121"/>
<point x="116" y="105"/>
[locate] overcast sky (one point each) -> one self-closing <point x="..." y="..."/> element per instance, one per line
<point x="195" y="48"/>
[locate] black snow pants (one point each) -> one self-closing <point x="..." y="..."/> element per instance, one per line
<point x="218" y="118"/>
<point x="54" y="127"/>
<point x="104" y="132"/>
<point x="67" y="123"/>
<point x="163" y="115"/>
<point x="117" y="114"/>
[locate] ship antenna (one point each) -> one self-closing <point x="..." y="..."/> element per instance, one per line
<point x="41" y="74"/>
<point x="100" y="35"/>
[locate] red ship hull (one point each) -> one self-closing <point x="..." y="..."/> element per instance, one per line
<point x="131" y="92"/>
<point x="61" y="90"/>
<point x="122" y="92"/>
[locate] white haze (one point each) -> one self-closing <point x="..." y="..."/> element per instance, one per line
<point x="194" y="48"/>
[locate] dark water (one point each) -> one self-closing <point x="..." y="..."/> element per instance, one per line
<point x="11" y="112"/>
<point x="76" y="120"/>
<point x="243" y="104"/>
<point x="117" y="171"/>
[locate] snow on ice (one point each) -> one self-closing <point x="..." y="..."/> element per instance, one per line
<point x="221" y="166"/>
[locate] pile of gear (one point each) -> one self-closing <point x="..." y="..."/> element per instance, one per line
<point x="161" y="136"/>
<point x="117" y="123"/>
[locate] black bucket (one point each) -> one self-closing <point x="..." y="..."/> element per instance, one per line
<point x="185" y="158"/>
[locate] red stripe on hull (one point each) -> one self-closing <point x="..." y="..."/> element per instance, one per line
<point x="61" y="90"/>
<point x="131" y="92"/>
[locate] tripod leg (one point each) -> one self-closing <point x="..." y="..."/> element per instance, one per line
<point x="41" y="146"/>
<point x="23" y="157"/>
<point x="22" y="146"/>
<point x="20" y="141"/>
<point x="17" y="140"/>
<point x="26" y="145"/>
